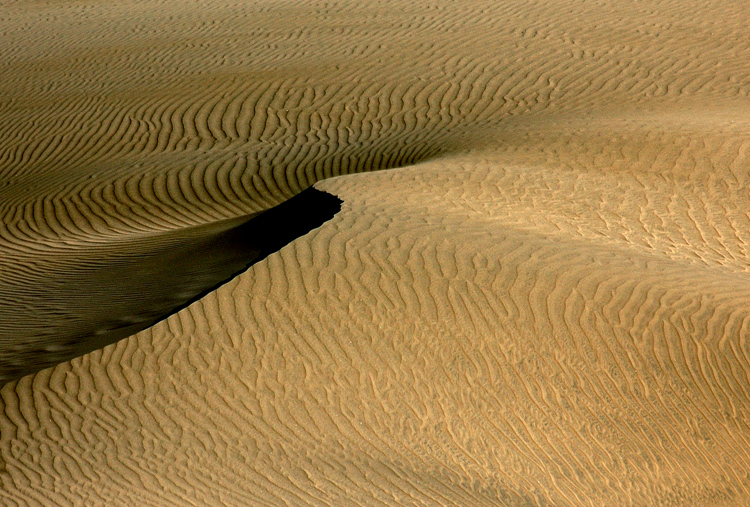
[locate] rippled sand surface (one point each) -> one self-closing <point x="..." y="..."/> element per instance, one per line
<point x="521" y="276"/>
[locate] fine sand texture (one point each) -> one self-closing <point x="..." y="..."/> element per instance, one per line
<point x="521" y="276"/>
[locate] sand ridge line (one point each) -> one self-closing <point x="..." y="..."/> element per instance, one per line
<point x="154" y="276"/>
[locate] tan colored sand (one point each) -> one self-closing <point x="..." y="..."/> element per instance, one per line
<point x="544" y="301"/>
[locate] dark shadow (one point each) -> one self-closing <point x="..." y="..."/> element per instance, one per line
<point x="119" y="290"/>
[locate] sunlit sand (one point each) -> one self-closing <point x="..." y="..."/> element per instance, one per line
<point x="522" y="277"/>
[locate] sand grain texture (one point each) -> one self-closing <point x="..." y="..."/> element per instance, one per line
<point x="543" y="301"/>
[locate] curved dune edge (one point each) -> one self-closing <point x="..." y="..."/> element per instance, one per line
<point x="113" y="291"/>
<point x="543" y="301"/>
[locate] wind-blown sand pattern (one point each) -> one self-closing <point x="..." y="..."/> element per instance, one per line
<point x="544" y="301"/>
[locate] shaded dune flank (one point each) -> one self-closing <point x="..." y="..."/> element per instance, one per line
<point x="542" y="301"/>
<point x="112" y="291"/>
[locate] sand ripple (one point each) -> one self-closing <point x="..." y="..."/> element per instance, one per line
<point x="543" y="301"/>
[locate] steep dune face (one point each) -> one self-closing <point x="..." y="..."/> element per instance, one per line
<point x="543" y="301"/>
<point x="112" y="291"/>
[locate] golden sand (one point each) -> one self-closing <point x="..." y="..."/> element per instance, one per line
<point x="544" y="301"/>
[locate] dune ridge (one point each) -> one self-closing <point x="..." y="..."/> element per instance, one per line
<point x="542" y="301"/>
<point x="156" y="275"/>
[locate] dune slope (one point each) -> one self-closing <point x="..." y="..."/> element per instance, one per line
<point x="542" y="301"/>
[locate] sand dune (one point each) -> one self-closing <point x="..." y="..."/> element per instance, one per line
<point x="543" y="301"/>
<point x="151" y="276"/>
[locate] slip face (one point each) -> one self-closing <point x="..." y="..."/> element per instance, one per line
<point x="113" y="291"/>
<point x="499" y="253"/>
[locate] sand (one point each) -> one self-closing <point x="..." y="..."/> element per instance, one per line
<point x="531" y="286"/>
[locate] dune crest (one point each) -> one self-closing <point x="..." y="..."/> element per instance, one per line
<point x="109" y="292"/>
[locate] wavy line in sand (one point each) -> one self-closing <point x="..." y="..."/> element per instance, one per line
<point x="547" y="308"/>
